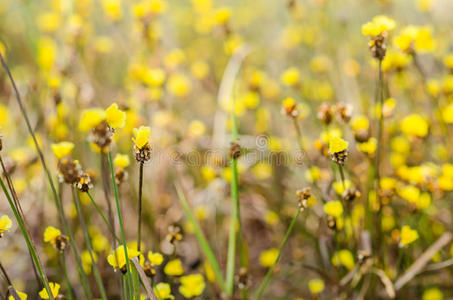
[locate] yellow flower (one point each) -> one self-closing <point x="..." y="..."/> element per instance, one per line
<point x="121" y="160"/>
<point x="360" y="122"/>
<point x="179" y="85"/>
<point x="5" y="224"/>
<point x="408" y="235"/>
<point x="369" y="146"/>
<point x="316" y="286"/>
<point x="192" y="285"/>
<point x="290" y="76"/>
<point x="268" y="257"/>
<point x="141" y="136"/>
<point x="196" y="128"/>
<point x="115" y="117"/>
<point x="262" y="170"/>
<point x="222" y="15"/>
<point x="54" y="288"/>
<point x="174" y="268"/>
<point x="447" y="113"/>
<point x="378" y="26"/>
<point x="154" y="77"/>
<point x="117" y="258"/>
<point x="432" y="294"/>
<point x="163" y="291"/>
<point x="112" y="9"/>
<point x="271" y="217"/>
<point x="340" y="186"/>
<point x="419" y="38"/>
<point x="62" y="149"/>
<point x="343" y="257"/>
<point x="91" y="118"/>
<point x="155" y="258"/>
<point x="333" y="208"/>
<point x="337" y="145"/>
<point x="50" y="234"/>
<point x="208" y="173"/>
<point x="21" y="295"/>
<point x="414" y="125"/>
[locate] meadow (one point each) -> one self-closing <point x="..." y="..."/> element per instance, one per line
<point x="205" y="149"/>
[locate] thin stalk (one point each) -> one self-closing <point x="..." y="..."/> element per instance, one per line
<point x="340" y="167"/>
<point x="377" y="165"/>
<point x="120" y="218"/>
<point x="109" y="227"/>
<point x="125" y="292"/>
<point x="8" y="281"/>
<point x="207" y="251"/>
<point x="30" y="246"/>
<point x="57" y="200"/>
<point x="235" y="223"/>
<point x="136" y="281"/>
<point x="268" y="276"/>
<point x="97" y="275"/>
<point x="12" y="190"/>
<point x="105" y="185"/>
<point x="66" y="277"/>
<point x="140" y="190"/>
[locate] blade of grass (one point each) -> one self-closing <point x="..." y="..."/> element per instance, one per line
<point x="57" y="200"/>
<point x="120" y="218"/>
<point x="235" y="223"/>
<point x="97" y="275"/>
<point x="30" y="246"/>
<point x="207" y="251"/>
<point x="268" y="276"/>
<point x="136" y="282"/>
<point x="66" y="277"/>
<point x="109" y="227"/>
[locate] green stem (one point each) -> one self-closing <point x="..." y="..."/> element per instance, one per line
<point x="109" y="227"/>
<point x="207" y="251"/>
<point x="268" y="276"/>
<point x="65" y="272"/>
<point x="97" y="275"/>
<point x="120" y="218"/>
<point x="235" y="216"/>
<point x="30" y="246"/>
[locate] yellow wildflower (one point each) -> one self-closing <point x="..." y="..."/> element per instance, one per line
<point x="179" y="85"/>
<point x="316" y="286"/>
<point x="115" y="117"/>
<point x="414" y="125"/>
<point x="141" y="136"/>
<point x="337" y="145"/>
<point x="378" y="26"/>
<point x="290" y="76"/>
<point x="117" y="258"/>
<point x="21" y="295"/>
<point x="174" y="268"/>
<point x="408" y="235"/>
<point x="121" y="160"/>
<point x="91" y="118"/>
<point x="5" y="224"/>
<point x="343" y="257"/>
<point x="268" y="257"/>
<point x="163" y="291"/>
<point x="192" y="285"/>
<point x="54" y="288"/>
<point x="222" y="15"/>
<point x="50" y="234"/>
<point x="62" y="149"/>
<point x="432" y="294"/>
<point x="155" y="258"/>
<point x="333" y="208"/>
